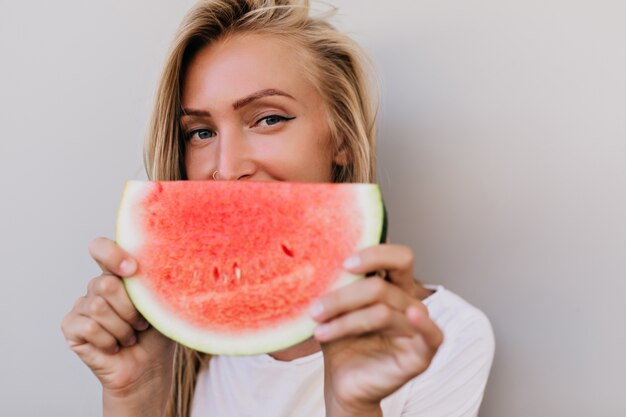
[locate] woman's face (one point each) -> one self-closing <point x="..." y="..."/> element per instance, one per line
<point x="249" y="113"/>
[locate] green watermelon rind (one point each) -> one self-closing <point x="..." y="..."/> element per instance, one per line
<point x="252" y="342"/>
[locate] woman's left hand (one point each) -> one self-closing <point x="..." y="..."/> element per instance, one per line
<point x="375" y="334"/>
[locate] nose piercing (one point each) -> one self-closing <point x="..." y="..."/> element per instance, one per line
<point x="215" y="175"/>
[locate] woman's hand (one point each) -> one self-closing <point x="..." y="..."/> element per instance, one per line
<point x="375" y="334"/>
<point x="109" y="335"/>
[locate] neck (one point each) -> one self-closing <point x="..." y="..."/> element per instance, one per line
<point x="300" y="350"/>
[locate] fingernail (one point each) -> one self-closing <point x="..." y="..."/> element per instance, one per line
<point x="127" y="266"/>
<point x="142" y="324"/>
<point x="316" y="309"/>
<point x="322" y="330"/>
<point x="352" y="262"/>
<point x="132" y="340"/>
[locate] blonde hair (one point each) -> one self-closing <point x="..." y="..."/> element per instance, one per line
<point x="335" y="66"/>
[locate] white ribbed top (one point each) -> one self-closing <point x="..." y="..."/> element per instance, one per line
<point x="453" y="385"/>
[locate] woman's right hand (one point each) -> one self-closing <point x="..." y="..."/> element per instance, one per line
<point x="111" y="337"/>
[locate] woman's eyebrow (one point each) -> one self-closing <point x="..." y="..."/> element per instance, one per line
<point x="239" y="103"/>
<point x="193" y="112"/>
<point x="257" y="95"/>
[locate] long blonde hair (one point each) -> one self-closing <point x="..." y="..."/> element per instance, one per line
<point x="335" y="66"/>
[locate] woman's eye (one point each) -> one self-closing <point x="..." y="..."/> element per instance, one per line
<point x="273" y="120"/>
<point x="202" y="134"/>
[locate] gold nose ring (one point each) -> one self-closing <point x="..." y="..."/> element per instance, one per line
<point x="215" y="175"/>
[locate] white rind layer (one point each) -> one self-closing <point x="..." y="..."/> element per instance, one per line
<point x="126" y="234"/>
<point x="239" y="343"/>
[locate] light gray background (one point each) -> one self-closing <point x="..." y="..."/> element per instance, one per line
<point x="503" y="162"/>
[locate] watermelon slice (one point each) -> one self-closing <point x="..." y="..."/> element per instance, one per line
<point x="233" y="267"/>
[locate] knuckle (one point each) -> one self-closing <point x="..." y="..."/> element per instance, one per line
<point x="78" y="303"/>
<point x="128" y="335"/>
<point x="383" y="314"/>
<point x="91" y="284"/>
<point x="129" y="315"/>
<point x="365" y="326"/>
<point x="422" y="309"/>
<point x="439" y="338"/>
<point x="65" y="323"/>
<point x="344" y="393"/>
<point x="377" y="286"/>
<point x="417" y="363"/>
<point x="135" y="316"/>
<point x="107" y="285"/>
<point x="91" y="328"/>
<point x="418" y="305"/>
<point x="97" y="306"/>
<point x="107" y="343"/>
<point x="128" y="312"/>
<point x="111" y="346"/>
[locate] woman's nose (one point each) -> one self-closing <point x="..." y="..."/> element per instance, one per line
<point x="234" y="161"/>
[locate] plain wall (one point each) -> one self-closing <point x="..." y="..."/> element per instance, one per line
<point x="502" y="161"/>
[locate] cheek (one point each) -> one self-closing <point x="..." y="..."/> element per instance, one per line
<point x="309" y="162"/>
<point x="197" y="164"/>
<point x="309" y="152"/>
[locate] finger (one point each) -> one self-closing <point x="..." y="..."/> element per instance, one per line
<point x="375" y="318"/>
<point x="111" y="258"/>
<point x="419" y="319"/>
<point x="358" y="295"/>
<point x="396" y="259"/>
<point x="80" y="330"/>
<point x="112" y="290"/>
<point x="97" y="308"/>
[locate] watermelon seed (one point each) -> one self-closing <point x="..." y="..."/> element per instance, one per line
<point x="237" y="271"/>
<point x="287" y="251"/>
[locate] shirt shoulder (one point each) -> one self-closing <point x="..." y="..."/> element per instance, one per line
<point x="454" y="383"/>
<point x="453" y="313"/>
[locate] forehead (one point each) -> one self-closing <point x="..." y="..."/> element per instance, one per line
<point x="240" y="64"/>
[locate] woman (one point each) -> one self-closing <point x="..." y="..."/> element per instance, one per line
<point x="258" y="90"/>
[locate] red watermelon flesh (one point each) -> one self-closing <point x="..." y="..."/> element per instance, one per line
<point x="232" y="267"/>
